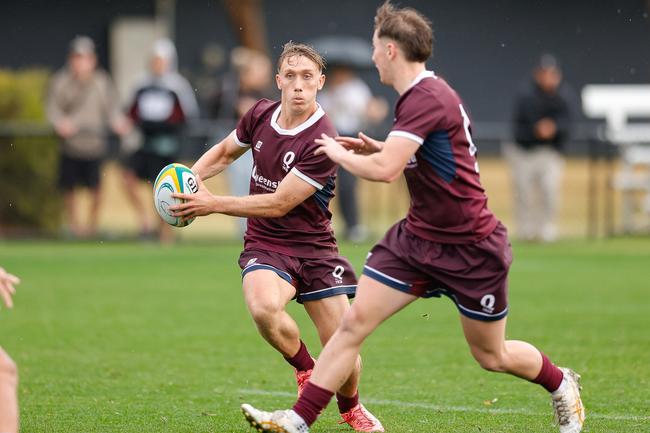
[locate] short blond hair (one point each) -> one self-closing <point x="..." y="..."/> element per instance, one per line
<point x="292" y="49"/>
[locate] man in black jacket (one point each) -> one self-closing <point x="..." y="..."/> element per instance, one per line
<point x="542" y="120"/>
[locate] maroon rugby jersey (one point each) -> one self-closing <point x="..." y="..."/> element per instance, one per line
<point x="448" y="203"/>
<point x="306" y="230"/>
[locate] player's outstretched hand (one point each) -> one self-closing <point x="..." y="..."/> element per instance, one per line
<point x="197" y="204"/>
<point x="7" y="288"/>
<point x="330" y="147"/>
<point x="363" y="145"/>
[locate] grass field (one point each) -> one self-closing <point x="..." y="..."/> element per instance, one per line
<point x="140" y="338"/>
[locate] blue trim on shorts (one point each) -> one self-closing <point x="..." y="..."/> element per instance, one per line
<point x="405" y="287"/>
<point x="473" y="314"/>
<point x="254" y="267"/>
<point x="386" y="279"/>
<point x="477" y="315"/>
<point x="348" y="290"/>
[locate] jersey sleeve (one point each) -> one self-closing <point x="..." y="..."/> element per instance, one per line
<point x="414" y="123"/>
<point x="316" y="170"/>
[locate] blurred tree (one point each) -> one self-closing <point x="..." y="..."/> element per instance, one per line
<point x="29" y="202"/>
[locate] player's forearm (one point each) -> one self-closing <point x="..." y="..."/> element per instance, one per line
<point x="212" y="162"/>
<point x="251" y="206"/>
<point x="372" y="167"/>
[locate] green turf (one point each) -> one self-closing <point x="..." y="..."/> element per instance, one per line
<point x="141" y="338"/>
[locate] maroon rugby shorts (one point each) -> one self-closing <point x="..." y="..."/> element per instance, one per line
<point x="474" y="276"/>
<point x="313" y="279"/>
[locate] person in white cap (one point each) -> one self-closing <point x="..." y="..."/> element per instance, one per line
<point x="163" y="103"/>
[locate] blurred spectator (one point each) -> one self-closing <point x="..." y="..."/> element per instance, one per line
<point x="250" y="82"/>
<point x="163" y="103"/>
<point x="542" y="120"/>
<point x="347" y="100"/>
<point x="82" y="104"/>
<point x="8" y="370"/>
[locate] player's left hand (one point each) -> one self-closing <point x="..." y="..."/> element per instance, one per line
<point x="198" y="204"/>
<point x="330" y="147"/>
<point x="7" y="288"/>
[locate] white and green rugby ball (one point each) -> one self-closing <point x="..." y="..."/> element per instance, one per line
<point x="174" y="178"/>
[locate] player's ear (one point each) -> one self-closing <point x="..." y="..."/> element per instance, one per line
<point x="321" y="81"/>
<point x="277" y="81"/>
<point x="391" y="50"/>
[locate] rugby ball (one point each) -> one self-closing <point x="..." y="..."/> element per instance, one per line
<point x="174" y="178"/>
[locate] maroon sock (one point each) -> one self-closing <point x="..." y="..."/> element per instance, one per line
<point x="550" y="377"/>
<point x="312" y="401"/>
<point x="301" y="361"/>
<point x="346" y="403"/>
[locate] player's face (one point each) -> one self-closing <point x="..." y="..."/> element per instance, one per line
<point x="380" y="58"/>
<point x="299" y="80"/>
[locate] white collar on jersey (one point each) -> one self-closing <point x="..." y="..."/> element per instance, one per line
<point x="421" y="76"/>
<point x="306" y="124"/>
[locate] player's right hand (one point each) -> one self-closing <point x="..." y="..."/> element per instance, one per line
<point x="7" y="288"/>
<point x="363" y="145"/>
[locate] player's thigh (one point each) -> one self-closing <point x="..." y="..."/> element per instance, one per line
<point x="374" y="303"/>
<point x="326" y="314"/>
<point x="266" y="291"/>
<point x="484" y="336"/>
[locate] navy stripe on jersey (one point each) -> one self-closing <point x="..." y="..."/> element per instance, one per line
<point x="437" y="151"/>
<point x="324" y="196"/>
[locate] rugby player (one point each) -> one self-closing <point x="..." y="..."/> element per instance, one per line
<point x="289" y="247"/>
<point x="449" y="244"/>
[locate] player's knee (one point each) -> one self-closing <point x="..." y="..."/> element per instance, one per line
<point x="354" y="324"/>
<point x="8" y="369"/>
<point x="490" y="361"/>
<point x="264" y="313"/>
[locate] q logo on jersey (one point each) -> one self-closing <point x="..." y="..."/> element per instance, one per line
<point x="338" y="274"/>
<point x="288" y="159"/>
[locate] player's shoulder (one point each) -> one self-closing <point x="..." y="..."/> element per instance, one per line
<point x="437" y="87"/>
<point x="264" y="106"/>
<point x="324" y="125"/>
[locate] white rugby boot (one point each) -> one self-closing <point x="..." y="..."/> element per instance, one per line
<point x="568" y="408"/>
<point x="280" y="421"/>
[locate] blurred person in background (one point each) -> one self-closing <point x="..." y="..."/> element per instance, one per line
<point x="162" y="105"/>
<point x="83" y="105"/>
<point x="542" y="122"/>
<point x="8" y="370"/>
<point x="252" y="82"/>
<point x="348" y="101"/>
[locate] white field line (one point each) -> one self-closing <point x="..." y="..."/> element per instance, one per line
<point x="441" y="408"/>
